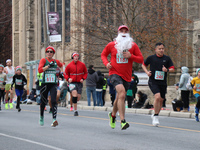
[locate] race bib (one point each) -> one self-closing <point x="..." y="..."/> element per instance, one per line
<point x="198" y="87"/>
<point x="159" y="75"/>
<point x="50" y="78"/>
<point x="18" y="82"/>
<point x="10" y="76"/>
<point x="1" y="80"/>
<point x="120" y="59"/>
<point x="71" y="86"/>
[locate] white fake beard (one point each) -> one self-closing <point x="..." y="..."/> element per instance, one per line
<point x="123" y="43"/>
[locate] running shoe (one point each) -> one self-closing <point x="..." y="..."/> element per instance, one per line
<point x="124" y="125"/>
<point x="71" y="109"/>
<point x="155" y="121"/>
<point x="76" y="113"/>
<point x="112" y="120"/>
<point x="11" y="105"/>
<point x="50" y="110"/>
<point x="19" y="109"/>
<point x="6" y="106"/>
<point x="197" y="118"/>
<point x="41" y="120"/>
<point x="54" y="123"/>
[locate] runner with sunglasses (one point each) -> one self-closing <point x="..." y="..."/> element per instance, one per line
<point x="48" y="66"/>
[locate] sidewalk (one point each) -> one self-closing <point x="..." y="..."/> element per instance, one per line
<point x="167" y="112"/>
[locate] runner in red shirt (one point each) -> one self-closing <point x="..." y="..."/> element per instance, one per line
<point x="123" y="53"/>
<point x="75" y="74"/>
<point x="48" y="66"/>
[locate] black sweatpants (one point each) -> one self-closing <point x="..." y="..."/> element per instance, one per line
<point x="185" y="98"/>
<point x="1" y="94"/>
<point x="112" y="97"/>
<point x="130" y="101"/>
<point x="45" y="89"/>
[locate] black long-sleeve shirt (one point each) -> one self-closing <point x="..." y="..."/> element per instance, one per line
<point x="19" y="81"/>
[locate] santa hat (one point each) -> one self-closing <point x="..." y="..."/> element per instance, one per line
<point x="50" y="47"/>
<point x="18" y="68"/>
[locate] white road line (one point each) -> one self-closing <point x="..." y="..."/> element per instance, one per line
<point x="52" y="147"/>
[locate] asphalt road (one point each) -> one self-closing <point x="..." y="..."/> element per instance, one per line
<point x="91" y="131"/>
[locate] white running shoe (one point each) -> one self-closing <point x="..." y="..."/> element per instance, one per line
<point x="155" y="121"/>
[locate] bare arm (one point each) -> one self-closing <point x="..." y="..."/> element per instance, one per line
<point x="146" y="71"/>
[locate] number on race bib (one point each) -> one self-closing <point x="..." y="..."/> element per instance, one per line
<point x="159" y="75"/>
<point x="50" y="78"/>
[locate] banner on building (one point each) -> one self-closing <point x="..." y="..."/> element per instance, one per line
<point x="54" y="27"/>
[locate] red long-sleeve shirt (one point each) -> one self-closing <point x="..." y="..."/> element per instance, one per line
<point x="76" y="71"/>
<point x="121" y="66"/>
<point x="43" y="61"/>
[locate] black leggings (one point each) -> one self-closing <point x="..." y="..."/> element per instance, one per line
<point x="45" y="88"/>
<point x="130" y="101"/>
<point x="1" y="94"/>
<point x="185" y="98"/>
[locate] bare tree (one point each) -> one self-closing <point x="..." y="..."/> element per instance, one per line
<point x="6" y="30"/>
<point x="149" y="21"/>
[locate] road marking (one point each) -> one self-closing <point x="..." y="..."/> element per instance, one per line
<point x="167" y="127"/>
<point x="38" y="143"/>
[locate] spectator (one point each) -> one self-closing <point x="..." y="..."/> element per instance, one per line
<point x="112" y="91"/>
<point x="129" y="94"/>
<point x="33" y="95"/>
<point x="104" y="89"/>
<point x="182" y="86"/>
<point x="99" y="89"/>
<point x="135" y="83"/>
<point x="142" y="98"/>
<point x="177" y="103"/>
<point x="91" y="83"/>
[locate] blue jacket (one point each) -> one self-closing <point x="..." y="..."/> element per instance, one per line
<point x="111" y="88"/>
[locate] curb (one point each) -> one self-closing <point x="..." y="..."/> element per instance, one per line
<point x="167" y="113"/>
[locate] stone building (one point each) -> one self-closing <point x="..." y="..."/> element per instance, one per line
<point x="29" y="39"/>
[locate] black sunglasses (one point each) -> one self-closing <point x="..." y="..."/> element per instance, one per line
<point x="49" y="51"/>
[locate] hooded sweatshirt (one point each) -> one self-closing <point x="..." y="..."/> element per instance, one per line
<point x="92" y="78"/>
<point x="184" y="78"/>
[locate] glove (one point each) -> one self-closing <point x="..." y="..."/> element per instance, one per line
<point x="4" y="83"/>
<point x="51" y="64"/>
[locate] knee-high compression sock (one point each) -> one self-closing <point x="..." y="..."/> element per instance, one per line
<point x="18" y="102"/>
<point x="74" y="100"/>
<point x="54" y="110"/>
<point x="42" y="106"/>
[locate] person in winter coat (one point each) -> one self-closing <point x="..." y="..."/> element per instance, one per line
<point x="112" y="91"/>
<point x="99" y="89"/>
<point x="142" y="98"/>
<point x="91" y="83"/>
<point x="182" y="86"/>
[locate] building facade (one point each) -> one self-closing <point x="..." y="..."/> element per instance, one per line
<point x="29" y="31"/>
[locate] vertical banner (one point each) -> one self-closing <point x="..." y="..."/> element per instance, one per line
<point x="54" y="27"/>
